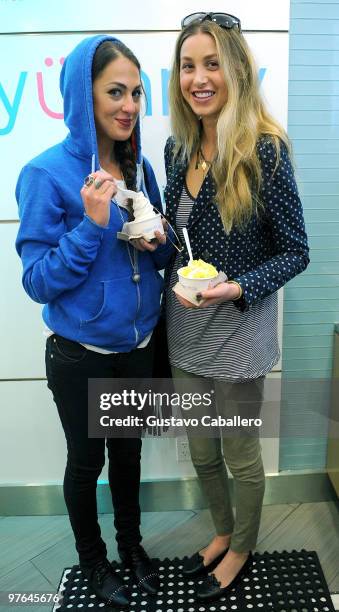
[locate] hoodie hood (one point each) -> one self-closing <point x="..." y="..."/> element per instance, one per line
<point x="76" y="90"/>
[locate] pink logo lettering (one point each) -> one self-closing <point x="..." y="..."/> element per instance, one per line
<point x="41" y="94"/>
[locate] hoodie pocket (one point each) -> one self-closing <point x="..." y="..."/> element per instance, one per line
<point x="113" y="323"/>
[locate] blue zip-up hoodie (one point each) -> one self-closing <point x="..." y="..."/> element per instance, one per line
<point x="78" y="269"/>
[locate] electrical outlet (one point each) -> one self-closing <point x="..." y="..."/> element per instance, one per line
<point x="183" y="450"/>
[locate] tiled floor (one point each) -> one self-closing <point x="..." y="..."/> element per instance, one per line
<point x="35" y="549"/>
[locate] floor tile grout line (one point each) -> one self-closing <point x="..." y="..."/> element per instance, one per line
<point x="279" y="524"/>
<point x="183" y="524"/>
<point x="30" y="559"/>
<point x="45" y="550"/>
<point x="42" y="574"/>
<point x="14" y="568"/>
<point x="336" y="578"/>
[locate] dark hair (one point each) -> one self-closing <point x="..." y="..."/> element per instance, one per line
<point x="125" y="155"/>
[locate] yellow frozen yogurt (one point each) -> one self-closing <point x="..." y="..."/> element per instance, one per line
<point x="199" y="269"/>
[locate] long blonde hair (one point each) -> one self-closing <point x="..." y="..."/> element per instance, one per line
<point x="236" y="169"/>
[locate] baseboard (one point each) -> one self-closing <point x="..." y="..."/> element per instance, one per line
<point x="164" y="495"/>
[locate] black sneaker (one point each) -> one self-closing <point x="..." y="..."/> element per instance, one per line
<point x="106" y="584"/>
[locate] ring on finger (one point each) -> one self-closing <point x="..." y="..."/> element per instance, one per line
<point x="89" y="180"/>
<point x="98" y="183"/>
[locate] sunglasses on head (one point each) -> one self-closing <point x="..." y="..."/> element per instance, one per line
<point x="221" y="19"/>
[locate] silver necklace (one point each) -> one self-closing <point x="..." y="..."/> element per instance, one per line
<point x="133" y="257"/>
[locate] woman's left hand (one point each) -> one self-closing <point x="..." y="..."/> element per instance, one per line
<point x="224" y="292"/>
<point x="142" y="245"/>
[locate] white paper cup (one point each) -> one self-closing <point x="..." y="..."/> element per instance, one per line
<point x="145" y="228"/>
<point x="199" y="284"/>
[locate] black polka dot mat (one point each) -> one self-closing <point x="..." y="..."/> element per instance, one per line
<point x="278" y="581"/>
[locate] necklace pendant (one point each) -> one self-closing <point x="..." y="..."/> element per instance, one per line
<point x="136" y="277"/>
<point x="203" y="165"/>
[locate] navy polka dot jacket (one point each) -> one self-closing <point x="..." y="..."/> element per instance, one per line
<point x="270" y="250"/>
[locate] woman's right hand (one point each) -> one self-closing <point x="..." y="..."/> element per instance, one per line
<point x="96" y="195"/>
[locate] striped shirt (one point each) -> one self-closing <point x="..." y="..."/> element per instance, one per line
<point x="220" y="341"/>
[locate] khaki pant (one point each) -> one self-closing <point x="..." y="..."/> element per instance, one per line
<point x="242" y="455"/>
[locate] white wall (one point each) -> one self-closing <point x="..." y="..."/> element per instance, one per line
<point x="31" y="103"/>
<point x="33" y="450"/>
<point x="149" y="15"/>
<point x="31" y="440"/>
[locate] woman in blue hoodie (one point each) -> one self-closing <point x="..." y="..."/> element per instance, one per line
<point x="101" y="295"/>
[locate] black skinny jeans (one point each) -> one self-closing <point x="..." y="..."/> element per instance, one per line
<point x="68" y="367"/>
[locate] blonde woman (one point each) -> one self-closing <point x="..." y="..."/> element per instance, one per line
<point x="230" y="182"/>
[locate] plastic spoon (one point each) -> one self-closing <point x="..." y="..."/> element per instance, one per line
<point x="187" y="241"/>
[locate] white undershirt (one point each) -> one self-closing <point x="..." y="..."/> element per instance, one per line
<point x="98" y="349"/>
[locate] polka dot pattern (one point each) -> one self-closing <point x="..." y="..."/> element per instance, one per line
<point x="278" y="581"/>
<point x="220" y="342"/>
<point x="271" y="250"/>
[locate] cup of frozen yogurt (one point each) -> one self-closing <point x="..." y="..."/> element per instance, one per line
<point x="197" y="275"/>
<point x="146" y="221"/>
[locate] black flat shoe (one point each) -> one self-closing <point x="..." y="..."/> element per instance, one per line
<point x="106" y="584"/>
<point x="138" y="561"/>
<point x="195" y="564"/>
<point x="211" y="588"/>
